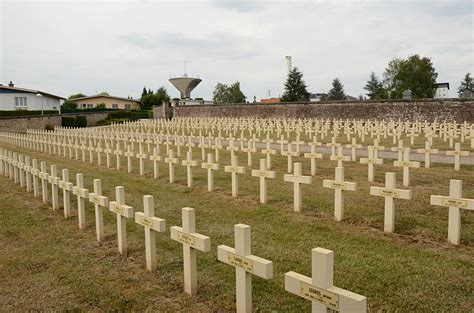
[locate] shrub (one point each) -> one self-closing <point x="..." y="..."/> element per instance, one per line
<point x="81" y="121"/>
<point x="68" y="121"/>
<point x="49" y="127"/>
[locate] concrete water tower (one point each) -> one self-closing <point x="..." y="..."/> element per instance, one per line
<point x="185" y="84"/>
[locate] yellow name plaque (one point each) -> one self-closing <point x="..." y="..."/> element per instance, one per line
<point x="455" y="202"/>
<point x="117" y="209"/>
<point x="329" y="299"/>
<point x="187" y="239"/>
<point x="389" y="193"/>
<point x="338" y="185"/>
<point x="147" y="222"/>
<point x="242" y="262"/>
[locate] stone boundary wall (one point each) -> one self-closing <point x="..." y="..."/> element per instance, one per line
<point x="22" y="123"/>
<point x="450" y="110"/>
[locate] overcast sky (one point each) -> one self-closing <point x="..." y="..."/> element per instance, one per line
<point x="66" y="47"/>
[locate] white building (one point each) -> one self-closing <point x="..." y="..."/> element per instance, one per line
<point x="14" y="98"/>
<point x="441" y="90"/>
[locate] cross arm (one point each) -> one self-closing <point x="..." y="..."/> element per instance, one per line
<point x="467" y="204"/>
<point x="122" y="209"/>
<point x="250" y="263"/>
<point x="394" y="193"/>
<point x="155" y="223"/>
<point x="194" y="240"/>
<point x="100" y="200"/>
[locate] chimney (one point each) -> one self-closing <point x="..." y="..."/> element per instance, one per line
<point x="11" y="84"/>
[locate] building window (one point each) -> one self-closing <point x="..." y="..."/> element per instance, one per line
<point x="128" y="106"/>
<point x="20" y="102"/>
<point x="90" y="105"/>
<point x="114" y="106"/>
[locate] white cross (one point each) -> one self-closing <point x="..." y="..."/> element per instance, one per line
<point x="81" y="193"/>
<point x="192" y="242"/>
<point x="340" y="157"/>
<point x="129" y="155"/>
<point x="28" y="173"/>
<point x="141" y="156"/>
<point x="427" y="151"/>
<point x="35" y="173"/>
<point x="122" y="211"/>
<point x="107" y="151"/>
<point x="390" y="193"/>
<point x="263" y="173"/>
<point x="320" y="289"/>
<point x="297" y="179"/>
<point x="53" y="179"/>
<point x="100" y="202"/>
<point x="118" y="153"/>
<point x="232" y="147"/>
<point x="152" y="225"/>
<point x="189" y="163"/>
<point x="290" y="154"/>
<point x="155" y="157"/>
<point x="249" y="149"/>
<point x="371" y="160"/>
<point x="66" y="186"/>
<point x="406" y="164"/>
<point x="339" y="186"/>
<point x="21" y="168"/>
<point x="353" y="146"/>
<point x="268" y="151"/>
<point x="399" y="149"/>
<point x="457" y="153"/>
<point x="171" y="160"/>
<point x="43" y="175"/>
<point x="455" y="202"/>
<point x="245" y="265"/>
<point x="333" y="145"/>
<point x="210" y="166"/>
<point x="234" y="169"/>
<point x="313" y="155"/>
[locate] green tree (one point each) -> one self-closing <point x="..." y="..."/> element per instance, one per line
<point x="150" y="91"/>
<point x="104" y="93"/>
<point x="374" y="87"/>
<point x="418" y="75"/>
<point x="149" y="101"/>
<point x="70" y="103"/>
<point x="228" y="94"/>
<point x="337" y="91"/>
<point x="389" y="82"/>
<point x="100" y="106"/>
<point x="77" y="95"/>
<point x="295" y="87"/>
<point x="466" y="84"/>
<point x="162" y="94"/>
<point x="144" y="92"/>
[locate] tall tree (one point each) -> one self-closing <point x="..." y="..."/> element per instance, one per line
<point x="144" y="92"/>
<point x="389" y="82"/>
<point x="162" y="94"/>
<point x="337" y="91"/>
<point x="77" y="95"/>
<point x="374" y="87"/>
<point x="418" y="75"/>
<point x="150" y="91"/>
<point x="228" y="94"/>
<point x="466" y="84"/>
<point x="154" y="99"/>
<point x="295" y="87"/>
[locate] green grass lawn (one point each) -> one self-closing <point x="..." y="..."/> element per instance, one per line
<point x="48" y="263"/>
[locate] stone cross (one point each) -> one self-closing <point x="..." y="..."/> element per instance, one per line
<point x="54" y="179"/>
<point x="245" y="265"/>
<point x="455" y="202"/>
<point x="129" y="155"/>
<point x="108" y="152"/>
<point x="81" y="193"/>
<point x="191" y="242"/>
<point x="231" y="147"/>
<point x="152" y="225"/>
<point x="313" y="155"/>
<point x="399" y="149"/>
<point x="263" y="173"/>
<point x="353" y="146"/>
<point x="28" y="173"/>
<point x="21" y="169"/>
<point x="282" y="142"/>
<point x="171" y="160"/>
<point x="320" y="289"/>
<point x="290" y="154"/>
<point x="427" y="151"/>
<point x="333" y="145"/>
<point x="216" y="146"/>
<point x="457" y="153"/>
<point x="100" y="202"/>
<point x="297" y="179"/>
<point x="91" y="151"/>
<point x="155" y="157"/>
<point x="99" y="150"/>
<point x="376" y="148"/>
<point x="340" y="157"/>
<point x="210" y="166"/>
<point x="141" y="156"/>
<point x="35" y="174"/>
<point x="43" y="175"/>
<point x="406" y="164"/>
<point x="371" y="160"/>
<point x="297" y="143"/>
<point x="234" y="169"/>
<point x="15" y="167"/>
<point x="66" y="186"/>
<point x="189" y="163"/>
<point x="249" y="149"/>
<point x="118" y="153"/>
<point x="339" y="186"/>
<point x="122" y="211"/>
<point x="268" y="151"/>
<point x="390" y="193"/>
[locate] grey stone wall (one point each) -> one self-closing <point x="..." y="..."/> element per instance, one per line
<point x="21" y="124"/>
<point x="450" y="110"/>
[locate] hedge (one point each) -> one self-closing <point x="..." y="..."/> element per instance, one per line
<point x="25" y="113"/>
<point x="71" y="121"/>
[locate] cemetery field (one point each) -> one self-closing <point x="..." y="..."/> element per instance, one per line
<point x="48" y="263"/>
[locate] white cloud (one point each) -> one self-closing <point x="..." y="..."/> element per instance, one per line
<point x="119" y="46"/>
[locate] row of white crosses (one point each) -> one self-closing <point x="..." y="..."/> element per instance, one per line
<point x="319" y="289"/>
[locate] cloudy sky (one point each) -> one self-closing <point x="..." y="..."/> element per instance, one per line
<point x="66" y="47"/>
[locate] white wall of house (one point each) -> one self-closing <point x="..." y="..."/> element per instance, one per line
<point x="27" y="101"/>
<point x="442" y="92"/>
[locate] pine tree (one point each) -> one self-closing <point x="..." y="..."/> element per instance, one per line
<point x="144" y="92"/>
<point x="466" y="84"/>
<point x="337" y="91"/>
<point x="295" y="87"/>
<point x="374" y="87"/>
<point x="149" y="91"/>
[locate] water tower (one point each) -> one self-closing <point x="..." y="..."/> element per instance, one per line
<point x="185" y="84"/>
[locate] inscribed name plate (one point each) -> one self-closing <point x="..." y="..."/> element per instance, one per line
<point x="237" y="260"/>
<point x="187" y="239"/>
<point x="338" y="185"/>
<point x="455" y="202"/>
<point x="313" y="293"/>
<point x="147" y="222"/>
<point x="389" y="193"/>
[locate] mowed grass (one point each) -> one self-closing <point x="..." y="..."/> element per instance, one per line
<point x="48" y="263"/>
